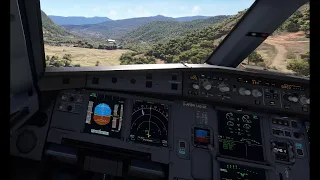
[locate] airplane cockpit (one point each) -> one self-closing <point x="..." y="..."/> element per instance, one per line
<point x="158" y="121"/>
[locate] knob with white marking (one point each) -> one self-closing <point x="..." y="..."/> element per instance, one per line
<point x="293" y="99"/>
<point x="242" y="91"/>
<point x="247" y="92"/>
<point x="195" y="86"/>
<point x="304" y="100"/>
<point x="223" y="88"/>
<point x="207" y="85"/>
<point x="256" y="93"/>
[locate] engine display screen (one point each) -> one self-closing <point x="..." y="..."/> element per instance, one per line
<point x="240" y="136"/>
<point x="238" y="172"/>
<point x="104" y="115"/>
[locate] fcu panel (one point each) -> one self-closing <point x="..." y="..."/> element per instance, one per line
<point x="265" y="93"/>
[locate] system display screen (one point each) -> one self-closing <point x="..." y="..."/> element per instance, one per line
<point x="104" y="115"/>
<point x="240" y="136"/>
<point x="238" y="172"/>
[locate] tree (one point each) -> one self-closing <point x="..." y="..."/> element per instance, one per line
<point x="255" y="57"/>
<point x="97" y="63"/>
<point x="291" y="26"/>
<point x="301" y="67"/>
<point x="67" y="57"/>
<point x="47" y="58"/>
<point x="54" y="58"/>
<point x="77" y="65"/>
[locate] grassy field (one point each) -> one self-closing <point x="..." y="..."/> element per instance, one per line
<point x="85" y="56"/>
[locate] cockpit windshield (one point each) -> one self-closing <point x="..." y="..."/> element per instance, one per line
<point x="106" y="33"/>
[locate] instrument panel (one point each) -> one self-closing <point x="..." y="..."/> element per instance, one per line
<point x="234" y="125"/>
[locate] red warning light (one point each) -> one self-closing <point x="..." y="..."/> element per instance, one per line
<point x="264" y="35"/>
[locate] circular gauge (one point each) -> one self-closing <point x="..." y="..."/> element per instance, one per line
<point x="149" y="123"/>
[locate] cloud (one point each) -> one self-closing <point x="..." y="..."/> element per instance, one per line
<point x="196" y="10"/>
<point x="112" y="12"/>
<point x="181" y="8"/>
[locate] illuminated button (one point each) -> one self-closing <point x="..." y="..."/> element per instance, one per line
<point x="285" y="122"/>
<point x="193" y="77"/>
<point x="272" y="103"/>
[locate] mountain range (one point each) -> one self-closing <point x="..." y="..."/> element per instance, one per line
<point x="81" y="20"/>
<point x="77" y="20"/>
<point x="118" y="28"/>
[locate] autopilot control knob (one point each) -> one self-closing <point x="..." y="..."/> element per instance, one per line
<point x="247" y="92"/>
<point x="304" y="100"/>
<point x="241" y="91"/>
<point x="195" y="86"/>
<point x="293" y="99"/>
<point x="207" y="85"/>
<point x="256" y="93"/>
<point x="224" y="88"/>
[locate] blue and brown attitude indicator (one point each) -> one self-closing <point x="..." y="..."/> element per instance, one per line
<point x="102" y="114"/>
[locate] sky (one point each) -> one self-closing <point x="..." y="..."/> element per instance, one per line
<point x="123" y="9"/>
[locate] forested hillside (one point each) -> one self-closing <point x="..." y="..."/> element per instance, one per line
<point x="162" y="30"/>
<point x="54" y="33"/>
<point x="192" y="47"/>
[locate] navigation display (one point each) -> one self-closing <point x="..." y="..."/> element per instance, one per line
<point x="240" y="136"/>
<point x="104" y="115"/>
<point x="238" y="172"/>
<point x="149" y="124"/>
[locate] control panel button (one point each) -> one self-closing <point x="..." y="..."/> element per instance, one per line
<point x="223" y="88"/>
<point x="304" y="100"/>
<point x="195" y="86"/>
<point x="272" y="103"/>
<point x="247" y="92"/>
<point x="294" y="124"/>
<point x="257" y="102"/>
<point x="242" y="91"/>
<point x="293" y="99"/>
<point x="207" y="85"/>
<point x="256" y="93"/>
<point x="300" y="152"/>
<point x="304" y="109"/>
